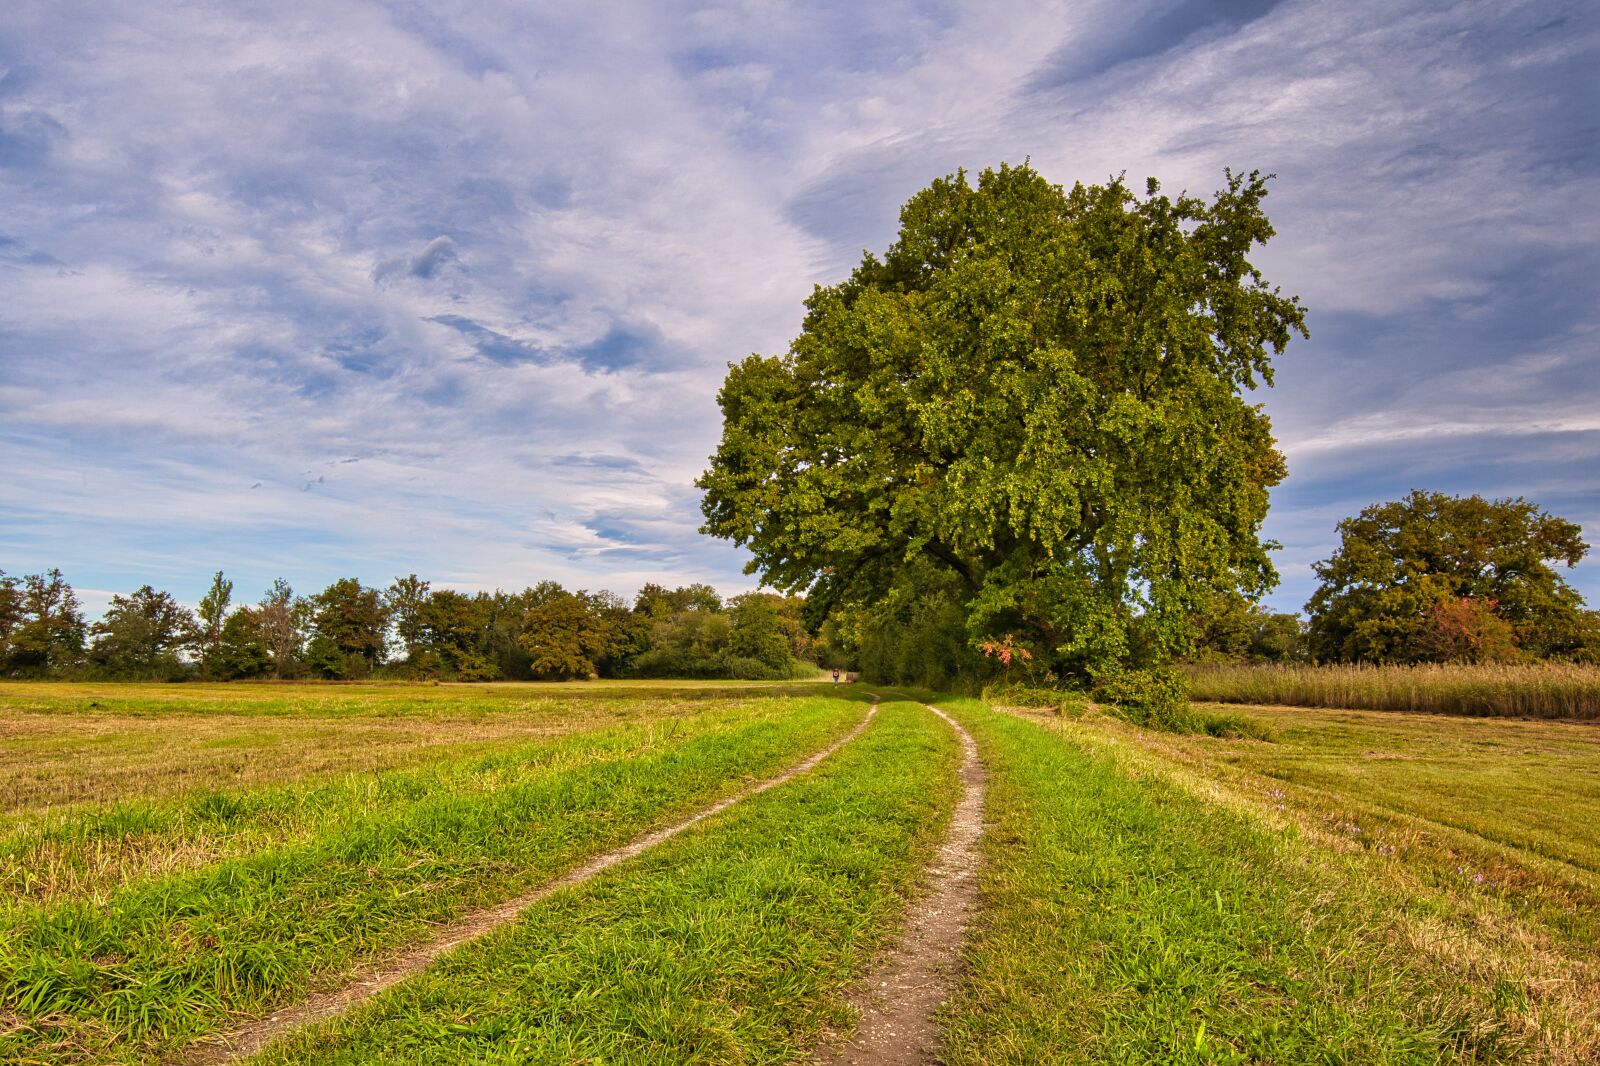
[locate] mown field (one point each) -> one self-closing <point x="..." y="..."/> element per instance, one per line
<point x="1365" y="887"/>
<point x="175" y="862"/>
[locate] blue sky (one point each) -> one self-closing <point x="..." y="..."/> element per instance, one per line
<point x="365" y="288"/>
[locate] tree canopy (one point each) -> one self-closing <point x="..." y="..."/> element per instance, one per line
<point x="41" y="626"/>
<point x="1451" y="578"/>
<point x="143" y="635"/>
<point x="351" y="622"/>
<point x="1032" y="407"/>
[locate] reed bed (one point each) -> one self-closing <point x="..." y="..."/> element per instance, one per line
<point x="1546" y="690"/>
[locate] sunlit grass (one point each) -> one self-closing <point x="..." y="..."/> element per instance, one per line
<point x="1149" y="900"/>
<point x="729" y="945"/>
<point x="304" y="880"/>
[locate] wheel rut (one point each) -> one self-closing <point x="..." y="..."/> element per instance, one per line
<point x="899" y="998"/>
<point x="247" y="1040"/>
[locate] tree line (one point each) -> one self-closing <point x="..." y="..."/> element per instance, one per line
<point x="408" y="630"/>
<point x="1430" y="578"/>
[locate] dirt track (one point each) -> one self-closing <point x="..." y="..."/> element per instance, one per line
<point x="898" y="1000"/>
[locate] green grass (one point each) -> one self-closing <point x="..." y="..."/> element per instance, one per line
<point x="85" y="853"/>
<point x="1548" y="690"/>
<point x="1368" y="887"/>
<point x="729" y="945"/>
<point x="64" y="744"/>
<point x="1132" y="917"/>
<point x="1485" y="807"/>
<point x="166" y="957"/>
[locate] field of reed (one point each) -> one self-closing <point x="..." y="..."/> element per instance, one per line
<point x="1547" y="690"/>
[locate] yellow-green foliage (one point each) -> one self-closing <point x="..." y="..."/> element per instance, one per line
<point x="1546" y="690"/>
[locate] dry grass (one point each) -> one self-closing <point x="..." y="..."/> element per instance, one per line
<point x="94" y="758"/>
<point x="1546" y="690"/>
<point x="160" y="918"/>
<point x="102" y="785"/>
<point x="67" y="744"/>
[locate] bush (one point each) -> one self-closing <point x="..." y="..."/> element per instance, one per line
<point x="666" y="663"/>
<point x="1158" y="699"/>
<point x="744" y="668"/>
<point x="1062" y="701"/>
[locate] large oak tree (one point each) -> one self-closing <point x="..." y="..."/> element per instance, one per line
<point x="1036" y="396"/>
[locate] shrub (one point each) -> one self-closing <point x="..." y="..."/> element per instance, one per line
<point x="1157" y="699"/>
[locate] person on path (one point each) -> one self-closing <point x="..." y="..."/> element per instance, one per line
<point x="835" y="675"/>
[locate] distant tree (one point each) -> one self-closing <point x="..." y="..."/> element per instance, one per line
<point x="758" y="636"/>
<point x="1279" y="638"/>
<point x="791" y="612"/>
<point x="10" y="614"/>
<point x="143" y="636"/>
<point x="326" y="661"/>
<point x="1224" y="624"/>
<point x="563" y="634"/>
<point x="503" y="635"/>
<point x="452" y="637"/>
<point x="656" y="601"/>
<point x="619" y="630"/>
<point x="1039" y="393"/>
<point x="213" y="613"/>
<point x="1393" y="591"/>
<point x="49" y="636"/>
<point x="543" y="592"/>
<point x="838" y="641"/>
<point x="406" y="598"/>
<point x="1230" y="628"/>
<point x="241" y="650"/>
<point x="351" y="621"/>
<point x="283" y="619"/>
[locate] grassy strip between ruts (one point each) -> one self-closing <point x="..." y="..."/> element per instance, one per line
<point x="730" y="944"/>
<point x="1128" y="921"/>
<point x="170" y="958"/>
